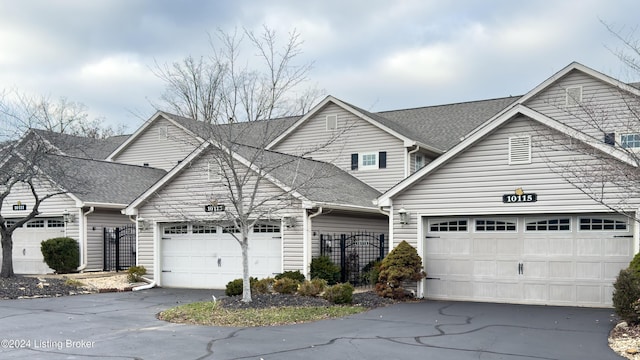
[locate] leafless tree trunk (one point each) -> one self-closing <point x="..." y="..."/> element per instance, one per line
<point x="240" y="96"/>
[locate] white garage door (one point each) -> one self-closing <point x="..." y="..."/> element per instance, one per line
<point x="207" y="256"/>
<point x="553" y="260"/>
<point x="27" y="256"/>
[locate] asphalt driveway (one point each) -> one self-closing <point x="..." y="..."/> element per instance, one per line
<point x="123" y="326"/>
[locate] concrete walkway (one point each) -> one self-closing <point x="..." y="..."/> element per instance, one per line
<point x="123" y="326"/>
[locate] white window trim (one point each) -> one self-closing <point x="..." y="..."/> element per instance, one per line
<point x="506" y="220"/>
<point x="619" y="135"/>
<point x="604" y="217"/>
<point x="331" y="122"/>
<point x="362" y="166"/>
<point x="431" y="222"/>
<point x="570" y="100"/>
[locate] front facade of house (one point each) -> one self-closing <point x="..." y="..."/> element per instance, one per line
<point x="499" y="219"/>
<point x="484" y="190"/>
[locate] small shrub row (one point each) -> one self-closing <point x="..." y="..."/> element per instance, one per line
<point x="337" y="294"/>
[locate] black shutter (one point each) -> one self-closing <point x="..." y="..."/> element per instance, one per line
<point x="382" y="160"/>
<point x="610" y="138"/>
<point x="354" y="161"/>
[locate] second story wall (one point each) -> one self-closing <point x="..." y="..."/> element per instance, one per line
<point x="161" y="145"/>
<point x="356" y="146"/>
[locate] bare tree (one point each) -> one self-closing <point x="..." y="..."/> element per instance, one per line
<point x="244" y="103"/>
<point x="20" y="111"/>
<point x="606" y="163"/>
<point x="29" y="167"/>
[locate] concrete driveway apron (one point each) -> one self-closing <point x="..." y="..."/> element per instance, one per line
<point x="124" y="326"/>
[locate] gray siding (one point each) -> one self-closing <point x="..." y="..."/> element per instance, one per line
<point x="96" y="222"/>
<point x="184" y="198"/>
<point x="604" y="108"/>
<point x="53" y="206"/>
<point x="354" y="136"/>
<point x="160" y="153"/>
<point x="145" y="251"/>
<point x="474" y="182"/>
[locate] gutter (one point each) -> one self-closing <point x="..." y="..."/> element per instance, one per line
<point x="84" y="240"/>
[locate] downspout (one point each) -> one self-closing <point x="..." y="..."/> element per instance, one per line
<point x="150" y="283"/>
<point x="308" y="234"/>
<point x="84" y="241"/>
<point x="407" y="170"/>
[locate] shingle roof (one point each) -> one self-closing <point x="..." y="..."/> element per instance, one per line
<point x="254" y="133"/>
<point x="315" y="180"/>
<point x="100" y="181"/>
<point x="443" y="126"/>
<point x="80" y="146"/>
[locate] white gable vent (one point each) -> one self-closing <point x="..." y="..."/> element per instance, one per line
<point x="520" y="150"/>
<point x="332" y="122"/>
<point x="574" y="96"/>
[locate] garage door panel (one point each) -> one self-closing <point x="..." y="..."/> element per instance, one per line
<point x="534" y="262"/>
<point x="589" y="270"/>
<point x="618" y="247"/>
<point x="589" y="247"/>
<point x="562" y="293"/>
<point x="484" y="268"/>
<point x="212" y="259"/>
<point x="535" y="269"/>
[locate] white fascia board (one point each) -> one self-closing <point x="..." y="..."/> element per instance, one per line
<point x="131" y="209"/>
<point x="104" y="205"/>
<point x="587" y="70"/>
<point x="355" y="208"/>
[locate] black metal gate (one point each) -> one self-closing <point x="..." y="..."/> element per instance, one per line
<point x="355" y="253"/>
<point x="119" y="248"/>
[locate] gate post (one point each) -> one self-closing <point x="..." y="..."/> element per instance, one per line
<point x="105" y="250"/>
<point x="382" y="254"/>
<point x="117" y="249"/>
<point x="343" y="257"/>
<point x="321" y="244"/>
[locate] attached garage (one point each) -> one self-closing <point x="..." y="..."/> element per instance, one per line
<point x="537" y="259"/>
<point x="27" y="256"/>
<point x="206" y="255"/>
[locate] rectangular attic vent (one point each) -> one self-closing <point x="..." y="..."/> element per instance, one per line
<point x="520" y="150"/>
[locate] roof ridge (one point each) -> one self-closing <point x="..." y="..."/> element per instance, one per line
<point x="450" y="104"/>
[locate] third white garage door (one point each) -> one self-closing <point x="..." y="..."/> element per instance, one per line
<point x="553" y="260"/>
<point x="207" y="256"/>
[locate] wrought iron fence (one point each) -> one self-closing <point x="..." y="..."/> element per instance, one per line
<point x="119" y="248"/>
<point x="355" y="253"/>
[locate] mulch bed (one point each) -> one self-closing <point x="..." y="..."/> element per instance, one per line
<point x="22" y="287"/>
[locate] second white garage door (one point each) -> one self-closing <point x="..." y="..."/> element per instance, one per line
<point x="207" y="256"/>
<point x="553" y="260"/>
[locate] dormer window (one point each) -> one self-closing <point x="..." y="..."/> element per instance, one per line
<point x="574" y="96"/>
<point x="369" y="161"/>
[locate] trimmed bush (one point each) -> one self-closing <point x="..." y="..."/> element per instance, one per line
<point x="635" y="263"/>
<point x="134" y="273"/>
<point x="626" y="293"/>
<point x="312" y="288"/>
<point x="295" y="275"/>
<point x="262" y="286"/>
<point x="323" y="268"/>
<point x="402" y="264"/>
<point x="339" y="293"/>
<point x="61" y="254"/>
<point x="234" y="287"/>
<point x="286" y="285"/>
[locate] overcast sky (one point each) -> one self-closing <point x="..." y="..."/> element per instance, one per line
<point x="376" y="54"/>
